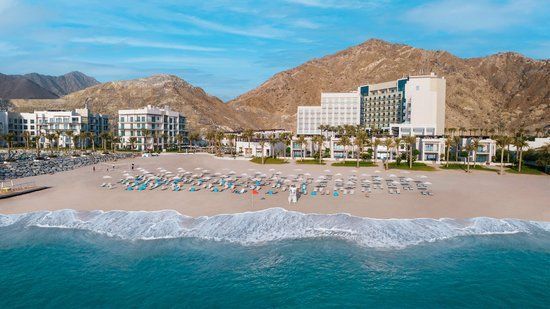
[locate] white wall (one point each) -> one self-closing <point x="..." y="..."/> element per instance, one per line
<point x="426" y="96"/>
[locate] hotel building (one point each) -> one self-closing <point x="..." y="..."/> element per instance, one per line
<point x="336" y="109"/>
<point x="153" y="128"/>
<point x="53" y="121"/>
<point x="412" y="105"/>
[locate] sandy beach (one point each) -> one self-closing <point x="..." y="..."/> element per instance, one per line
<point x="456" y="194"/>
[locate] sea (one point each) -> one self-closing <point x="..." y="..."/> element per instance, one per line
<point x="270" y="258"/>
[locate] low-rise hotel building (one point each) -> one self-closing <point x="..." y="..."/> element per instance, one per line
<point x="54" y="121"/>
<point x="150" y="128"/>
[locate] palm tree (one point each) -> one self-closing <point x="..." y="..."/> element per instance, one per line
<point x="70" y="135"/>
<point x="248" y="134"/>
<point x="520" y="143"/>
<point x="273" y="139"/>
<point x="286" y="138"/>
<point x="397" y="142"/>
<point x="361" y="139"/>
<point x="218" y="138"/>
<point x="475" y="145"/>
<point x="448" y="142"/>
<point x="59" y="135"/>
<point x="345" y="141"/>
<point x="319" y="140"/>
<point x="51" y="137"/>
<point x="132" y="141"/>
<point x="502" y="141"/>
<point x="37" y="143"/>
<point x="456" y="143"/>
<point x="469" y="148"/>
<point x="104" y="136"/>
<point x="8" y="138"/>
<point x="375" y="145"/>
<point x="146" y="133"/>
<point x="261" y="140"/>
<point x="83" y="136"/>
<point x="179" y="140"/>
<point x="461" y="131"/>
<point x="452" y="131"/>
<point x="211" y="138"/>
<point x="302" y="141"/>
<point x="232" y="139"/>
<point x="411" y="141"/>
<point x="538" y="131"/>
<point x="91" y="135"/>
<point x="193" y="138"/>
<point x="388" y="142"/>
<point x="26" y="135"/>
<point x="114" y="141"/>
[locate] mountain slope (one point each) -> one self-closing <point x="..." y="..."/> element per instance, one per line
<point x="481" y="92"/>
<point x="201" y="109"/>
<point x="38" y="86"/>
<point x="13" y="87"/>
<point x="64" y="84"/>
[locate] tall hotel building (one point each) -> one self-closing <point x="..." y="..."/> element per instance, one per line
<point x="412" y="105"/>
<point x="162" y="125"/>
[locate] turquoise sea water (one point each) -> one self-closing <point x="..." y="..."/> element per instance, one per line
<point x="52" y="267"/>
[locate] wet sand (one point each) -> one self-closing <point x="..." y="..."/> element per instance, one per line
<point x="456" y="194"/>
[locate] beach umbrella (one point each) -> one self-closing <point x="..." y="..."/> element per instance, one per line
<point x="278" y="173"/>
<point x="377" y="171"/>
<point x="327" y="171"/>
<point x="392" y="175"/>
<point x="231" y="172"/>
<point x="271" y="169"/>
<point x="198" y="168"/>
<point x="422" y="176"/>
<point x="427" y="183"/>
<point x="107" y="177"/>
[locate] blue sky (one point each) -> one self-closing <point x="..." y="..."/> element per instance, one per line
<point x="231" y="46"/>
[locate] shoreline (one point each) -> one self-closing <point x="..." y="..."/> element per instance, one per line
<point x="456" y="194"/>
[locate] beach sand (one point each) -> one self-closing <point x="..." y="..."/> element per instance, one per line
<point x="456" y="193"/>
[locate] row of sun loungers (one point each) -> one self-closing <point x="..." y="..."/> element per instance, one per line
<point x="327" y="185"/>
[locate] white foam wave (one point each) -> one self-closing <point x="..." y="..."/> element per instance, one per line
<point x="270" y="225"/>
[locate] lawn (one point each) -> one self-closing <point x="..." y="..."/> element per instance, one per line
<point x="270" y="160"/>
<point x="354" y="163"/>
<point x="527" y="170"/>
<point x="456" y="166"/>
<point x="310" y="161"/>
<point x="417" y="166"/>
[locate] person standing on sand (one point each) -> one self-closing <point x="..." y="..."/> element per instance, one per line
<point x="292" y="192"/>
<point x="93" y="168"/>
<point x="132" y="166"/>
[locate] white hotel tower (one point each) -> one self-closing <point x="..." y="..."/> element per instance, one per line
<point x="412" y="105"/>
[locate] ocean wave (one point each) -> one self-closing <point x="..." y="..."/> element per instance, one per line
<point x="270" y="225"/>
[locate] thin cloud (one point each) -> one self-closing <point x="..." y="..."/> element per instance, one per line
<point x="455" y="15"/>
<point x="110" y="40"/>
<point x="332" y="4"/>
<point x="307" y="24"/>
<point x="262" y="31"/>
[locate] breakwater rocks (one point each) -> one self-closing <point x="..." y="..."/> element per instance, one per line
<point x="26" y="164"/>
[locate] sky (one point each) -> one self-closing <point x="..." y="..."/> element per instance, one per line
<point x="229" y="47"/>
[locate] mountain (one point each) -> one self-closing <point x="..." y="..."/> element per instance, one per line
<point x="202" y="110"/>
<point x="37" y="86"/>
<point x="13" y="87"/>
<point x="505" y="88"/>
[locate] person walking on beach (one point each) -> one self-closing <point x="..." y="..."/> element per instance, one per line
<point x="292" y="194"/>
<point x="132" y="166"/>
<point x="93" y="168"/>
